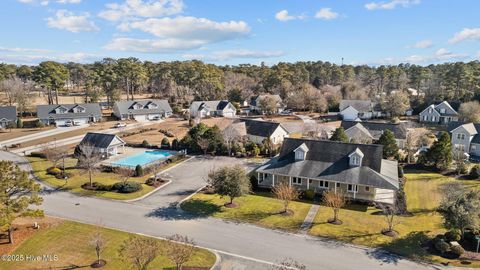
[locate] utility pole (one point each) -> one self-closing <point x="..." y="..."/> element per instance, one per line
<point x="342" y="61"/>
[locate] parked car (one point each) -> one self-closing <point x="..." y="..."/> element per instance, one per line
<point x="69" y="123"/>
<point x="119" y="125"/>
<point x="286" y="112"/>
<point x="76" y="123"/>
<point x="156" y="117"/>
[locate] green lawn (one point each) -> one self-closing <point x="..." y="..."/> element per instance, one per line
<point x="362" y="225"/>
<point x="256" y="209"/>
<point x="74" y="183"/>
<point x="71" y="242"/>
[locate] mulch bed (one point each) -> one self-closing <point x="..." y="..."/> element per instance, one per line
<point x="286" y="213"/>
<point x="98" y="264"/>
<point x="231" y="205"/>
<point x="335" y="222"/>
<point x="389" y="233"/>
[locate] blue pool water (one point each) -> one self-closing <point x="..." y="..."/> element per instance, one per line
<point x="142" y="158"/>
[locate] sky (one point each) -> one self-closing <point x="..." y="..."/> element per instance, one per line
<point x="372" y="32"/>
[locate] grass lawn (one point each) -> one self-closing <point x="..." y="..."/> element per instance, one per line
<point x="71" y="242"/>
<point x="75" y="182"/>
<point x="256" y="209"/>
<point x="362" y="224"/>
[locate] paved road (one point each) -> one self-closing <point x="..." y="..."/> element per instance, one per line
<point x="251" y="244"/>
<point x="39" y="135"/>
<point x="77" y="139"/>
<point x="187" y="178"/>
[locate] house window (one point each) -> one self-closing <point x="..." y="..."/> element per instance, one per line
<point x="433" y="118"/>
<point x="461" y="136"/>
<point x="310" y="181"/>
<point x="460" y="147"/>
<point x="323" y="184"/>
<point x="425" y="118"/>
<point x="352" y="188"/>
<point x="442" y="110"/>
<point x="367" y="188"/>
<point x="338" y="185"/>
<point x="355" y="160"/>
<point x="474" y="147"/>
<point x="296" y="180"/>
<point x="299" y="155"/>
<point x="429" y="110"/>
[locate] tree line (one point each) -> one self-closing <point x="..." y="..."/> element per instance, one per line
<point x="297" y="83"/>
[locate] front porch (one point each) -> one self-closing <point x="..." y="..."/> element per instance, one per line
<point x="352" y="191"/>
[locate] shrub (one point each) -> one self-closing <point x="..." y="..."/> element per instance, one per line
<point x="39" y="124"/>
<point x="475" y="172"/>
<point x="400" y="172"/>
<point x="453" y="235"/>
<point x="165" y="143"/>
<point x="145" y="144"/>
<point x="254" y="181"/>
<point x="54" y="171"/>
<point x="11" y="125"/>
<point x="97" y="186"/>
<point x="19" y="123"/>
<point x="175" y="144"/>
<point x="457" y="250"/>
<point x="442" y="246"/>
<point x="127" y="187"/>
<point x="139" y="171"/>
<point x="309" y="194"/>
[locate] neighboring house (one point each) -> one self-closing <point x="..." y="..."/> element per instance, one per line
<point x="64" y="114"/>
<point x="356" y="169"/>
<point x="8" y="114"/>
<point x="441" y="113"/>
<point x="142" y="110"/>
<point x="212" y="108"/>
<point x="105" y="144"/>
<point x="351" y="109"/>
<point x="255" y="103"/>
<point x="259" y="130"/>
<point x="465" y="138"/>
<point x="368" y="132"/>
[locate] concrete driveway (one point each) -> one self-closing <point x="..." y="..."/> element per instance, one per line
<point x="188" y="177"/>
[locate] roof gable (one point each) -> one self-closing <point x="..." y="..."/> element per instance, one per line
<point x="100" y="140"/>
<point x="261" y="128"/>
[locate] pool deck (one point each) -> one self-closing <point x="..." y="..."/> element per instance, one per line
<point x="129" y="151"/>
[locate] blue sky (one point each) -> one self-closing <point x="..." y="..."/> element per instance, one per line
<point x="241" y="31"/>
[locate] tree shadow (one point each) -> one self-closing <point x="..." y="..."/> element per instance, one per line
<point x="411" y="246"/>
<point x="192" y="209"/>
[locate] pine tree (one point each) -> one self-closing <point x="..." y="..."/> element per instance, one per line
<point x="339" y="135"/>
<point x="390" y="148"/>
<point x="440" y="154"/>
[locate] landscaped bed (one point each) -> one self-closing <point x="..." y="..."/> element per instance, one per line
<point x="258" y="209"/>
<point x="77" y="179"/>
<point x="71" y="242"/>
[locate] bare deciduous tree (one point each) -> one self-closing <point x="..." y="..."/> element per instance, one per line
<point x="179" y="249"/>
<point x="203" y="143"/>
<point x="139" y="251"/>
<point x="17" y="92"/>
<point x="415" y="139"/>
<point x="389" y="212"/>
<point x="124" y="172"/>
<point x="335" y="200"/>
<point x="87" y="160"/>
<point x="286" y="193"/>
<point x="98" y="243"/>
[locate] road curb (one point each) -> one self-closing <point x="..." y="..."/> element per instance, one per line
<point x="218" y="260"/>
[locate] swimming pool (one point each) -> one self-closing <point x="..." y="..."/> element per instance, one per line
<point x="142" y="158"/>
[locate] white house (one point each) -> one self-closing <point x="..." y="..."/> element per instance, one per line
<point x="465" y="138"/>
<point x="352" y="109"/>
<point x="142" y="110"/>
<point x="212" y="108"/>
<point x="105" y="144"/>
<point x="259" y="130"/>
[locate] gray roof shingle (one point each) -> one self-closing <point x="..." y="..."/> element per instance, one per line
<point x="261" y="128"/>
<point x="376" y="129"/>
<point x="98" y="140"/>
<point x="359" y="105"/>
<point x="48" y="111"/>
<point x="9" y="113"/>
<point x="126" y="106"/>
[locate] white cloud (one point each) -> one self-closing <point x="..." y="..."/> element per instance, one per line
<point x="326" y="14"/>
<point x="26" y="1"/>
<point x="44" y="3"/>
<point x="139" y="8"/>
<point x="152" y="45"/>
<point x="466" y="34"/>
<point x="391" y="4"/>
<point x="69" y="1"/>
<point x="231" y="54"/>
<point x="32" y="56"/>
<point x="67" y="20"/>
<point x="283" y="16"/>
<point x="422" y="44"/>
<point x="192" y="28"/>
<point x="441" y="55"/>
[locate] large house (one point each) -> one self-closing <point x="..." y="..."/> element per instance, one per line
<point x="8" y="114"/>
<point x="259" y="130"/>
<point x="441" y="113"/>
<point x="69" y="114"/>
<point x="256" y="104"/>
<point x="356" y="169"/>
<point x="104" y="144"/>
<point x="212" y="108"/>
<point x="465" y="138"/>
<point x="352" y="109"/>
<point x="368" y="132"/>
<point x="142" y="110"/>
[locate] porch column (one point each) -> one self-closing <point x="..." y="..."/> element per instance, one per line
<point x="354" y="191"/>
<point x="289" y="181"/>
<point x="335" y="185"/>
<point x="273" y="180"/>
<point x="258" y="177"/>
<point x="308" y="184"/>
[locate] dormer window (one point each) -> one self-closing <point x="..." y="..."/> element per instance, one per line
<point x="152" y="106"/>
<point x="461" y="136"/>
<point x="355" y="158"/>
<point x="442" y="110"/>
<point x="429" y="110"/>
<point x="61" y="109"/>
<point x="301" y="152"/>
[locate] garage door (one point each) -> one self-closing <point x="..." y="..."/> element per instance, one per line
<point x="81" y="121"/>
<point x="140" y="118"/>
<point x="228" y="114"/>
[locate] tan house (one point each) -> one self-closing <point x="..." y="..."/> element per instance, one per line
<point x="356" y="169"/>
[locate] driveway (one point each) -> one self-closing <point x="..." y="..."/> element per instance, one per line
<point x="245" y="244"/>
<point x="188" y="177"/>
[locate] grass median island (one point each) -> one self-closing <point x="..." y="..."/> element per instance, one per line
<point x="75" y="182"/>
<point x="72" y="243"/>
<point x="259" y="209"/>
<point x="362" y="225"/>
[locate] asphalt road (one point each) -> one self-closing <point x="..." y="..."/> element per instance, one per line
<point x="39" y="135"/>
<point x="248" y="244"/>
